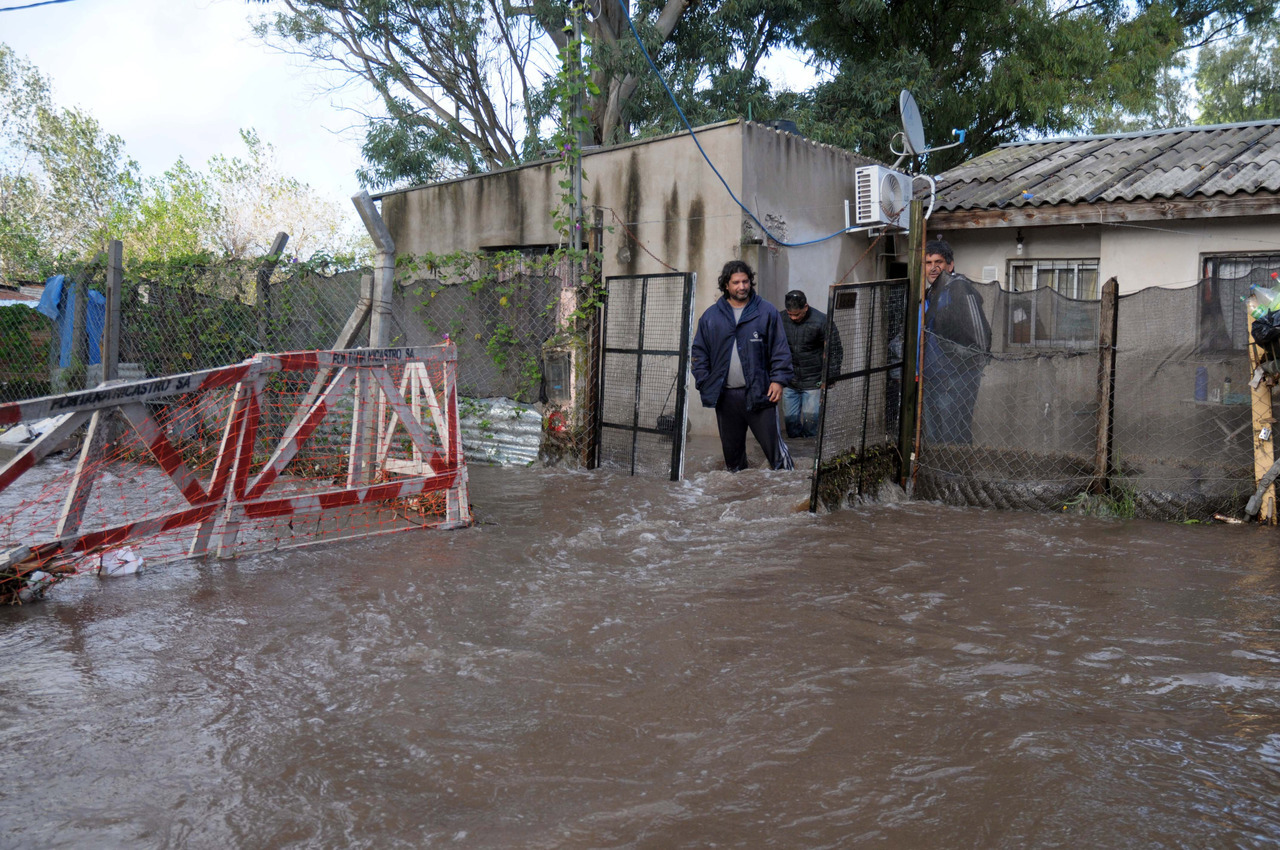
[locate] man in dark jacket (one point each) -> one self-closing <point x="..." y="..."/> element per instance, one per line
<point x="741" y="362"/>
<point x="807" y="333"/>
<point x="957" y="342"/>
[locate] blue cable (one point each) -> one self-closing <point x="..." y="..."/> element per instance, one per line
<point x="627" y="14"/>
<point x="33" y="5"/>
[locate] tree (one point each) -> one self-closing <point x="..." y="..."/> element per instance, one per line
<point x="255" y="199"/>
<point x="62" y="178"/>
<point x="466" y="84"/>
<point x="1239" y="79"/>
<point x="175" y="216"/>
<point x="999" y="70"/>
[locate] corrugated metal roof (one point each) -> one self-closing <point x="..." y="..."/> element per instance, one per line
<point x="1186" y="162"/>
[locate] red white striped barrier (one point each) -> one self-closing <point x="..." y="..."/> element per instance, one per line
<point x="392" y="413"/>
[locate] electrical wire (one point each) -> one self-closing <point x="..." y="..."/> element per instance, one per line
<point x="636" y="239"/>
<point x="627" y="14"/>
<point x="32" y="5"/>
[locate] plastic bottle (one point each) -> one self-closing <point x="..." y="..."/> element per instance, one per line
<point x="1202" y="384"/>
<point x="1226" y="389"/>
<point x="1267" y="300"/>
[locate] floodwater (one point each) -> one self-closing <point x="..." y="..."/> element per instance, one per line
<point x="608" y="662"/>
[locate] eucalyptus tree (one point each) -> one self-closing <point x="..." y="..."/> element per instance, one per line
<point x="1001" y="70"/>
<point x="1239" y="79"/>
<point x="468" y="85"/>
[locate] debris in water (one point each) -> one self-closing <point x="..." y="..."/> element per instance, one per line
<point x="119" y="562"/>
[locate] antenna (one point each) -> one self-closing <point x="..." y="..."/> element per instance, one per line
<point x="912" y="126"/>
<point x="913" y="131"/>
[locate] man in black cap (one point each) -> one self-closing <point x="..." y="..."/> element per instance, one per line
<point x="807" y="333"/>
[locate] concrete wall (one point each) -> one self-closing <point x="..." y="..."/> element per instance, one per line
<point x="1138" y="255"/>
<point x="664" y="204"/>
<point x="797" y="189"/>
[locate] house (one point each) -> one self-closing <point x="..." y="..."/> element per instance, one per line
<point x="666" y="208"/>
<point x="1185" y="220"/>
<point x="1165" y="208"/>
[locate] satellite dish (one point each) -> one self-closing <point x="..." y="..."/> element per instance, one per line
<point x="912" y="126"/>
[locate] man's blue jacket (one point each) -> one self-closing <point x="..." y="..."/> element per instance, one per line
<point x="762" y="347"/>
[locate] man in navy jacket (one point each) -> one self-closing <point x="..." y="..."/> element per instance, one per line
<point x="741" y="362"/>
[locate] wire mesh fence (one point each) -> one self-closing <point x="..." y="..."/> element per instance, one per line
<point x="857" y="446"/>
<point x="524" y="326"/>
<point x="1025" y="432"/>
<point x="643" y="395"/>
<point x="173" y="319"/>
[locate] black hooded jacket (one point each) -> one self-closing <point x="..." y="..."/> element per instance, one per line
<point x="806" y="339"/>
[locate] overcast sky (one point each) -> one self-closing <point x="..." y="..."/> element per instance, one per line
<point x="180" y="78"/>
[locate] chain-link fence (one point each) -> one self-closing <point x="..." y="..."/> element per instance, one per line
<point x="1019" y="427"/>
<point x="172" y="319"/>
<point x="857" y="445"/>
<point x="199" y="317"/>
<point x="525" y="327"/>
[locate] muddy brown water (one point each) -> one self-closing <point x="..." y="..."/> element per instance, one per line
<point x="609" y="662"/>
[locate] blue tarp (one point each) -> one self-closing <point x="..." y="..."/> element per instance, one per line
<point x="58" y="302"/>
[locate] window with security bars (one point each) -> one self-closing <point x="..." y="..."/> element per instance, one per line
<point x="1039" y="310"/>
<point x="1222" y="323"/>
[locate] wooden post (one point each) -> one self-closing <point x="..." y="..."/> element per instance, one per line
<point x="1263" y="450"/>
<point x="908" y="418"/>
<point x="264" y="289"/>
<point x="85" y="475"/>
<point x="109" y="346"/>
<point x="1107" y="326"/>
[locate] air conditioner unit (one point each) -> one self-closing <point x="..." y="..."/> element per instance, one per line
<point x="883" y="197"/>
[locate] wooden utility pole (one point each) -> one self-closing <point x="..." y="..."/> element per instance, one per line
<point x="908" y="421"/>
<point x="1107" y="326"/>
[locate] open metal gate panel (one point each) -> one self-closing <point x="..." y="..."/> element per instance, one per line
<point x="644" y="363"/>
<point x="858" y="426"/>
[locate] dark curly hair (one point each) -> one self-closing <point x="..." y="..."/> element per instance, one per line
<point x="940" y="247"/>
<point x="734" y="267"/>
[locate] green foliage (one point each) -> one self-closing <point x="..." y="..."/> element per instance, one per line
<point x="712" y="64"/>
<point x="67" y="188"/>
<point x="502" y="313"/>
<point x="25" y="337"/>
<point x="1239" y="79"/>
<point x="1000" y="71"/>
<point x="1119" y="502"/>
<point x="62" y="178"/>
<point x="468" y="86"/>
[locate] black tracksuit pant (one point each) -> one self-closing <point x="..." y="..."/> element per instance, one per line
<point x="733" y="420"/>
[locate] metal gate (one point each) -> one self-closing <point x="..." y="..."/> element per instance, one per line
<point x="644" y="361"/>
<point x="858" y="432"/>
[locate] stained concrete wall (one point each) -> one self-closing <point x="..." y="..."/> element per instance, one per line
<point x="798" y="190"/>
<point x="665" y="206"/>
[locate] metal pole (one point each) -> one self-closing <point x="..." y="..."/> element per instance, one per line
<point x="384" y="276"/>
